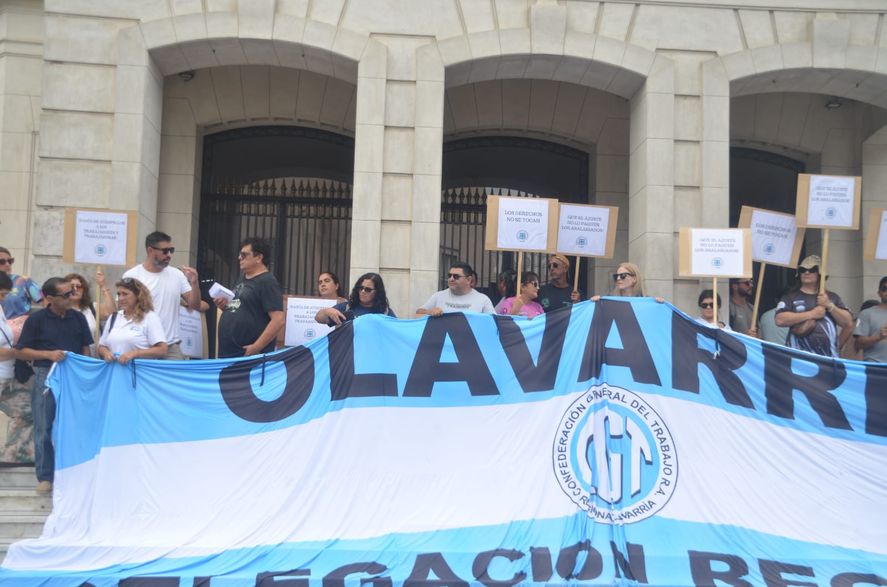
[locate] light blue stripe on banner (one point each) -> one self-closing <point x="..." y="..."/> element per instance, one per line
<point x="159" y="401"/>
<point x="570" y="551"/>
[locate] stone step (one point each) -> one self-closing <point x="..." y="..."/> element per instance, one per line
<point x="18" y="526"/>
<point x="15" y="477"/>
<point x="24" y="501"/>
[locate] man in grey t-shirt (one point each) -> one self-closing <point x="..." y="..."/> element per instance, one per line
<point x="871" y="328"/>
<point x="458" y="297"/>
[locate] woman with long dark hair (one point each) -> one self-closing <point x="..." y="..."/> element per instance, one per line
<point x="367" y="297"/>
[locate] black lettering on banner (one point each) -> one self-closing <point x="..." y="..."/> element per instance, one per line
<point x="284" y="578"/>
<point x="569" y="557"/>
<point x="634" y="353"/>
<point x="149" y="582"/>
<point x="470" y="367"/>
<point x="237" y="391"/>
<point x="772" y="572"/>
<point x="201" y="582"/>
<point x="634" y="566"/>
<point x="540" y="563"/>
<point x="705" y="576"/>
<point x="853" y="579"/>
<point x="481" y="567"/>
<point x="876" y="400"/>
<point x="542" y="375"/>
<point x="344" y="382"/>
<point x="780" y="383"/>
<point x="336" y="578"/>
<point x="685" y="362"/>
<point x="433" y="562"/>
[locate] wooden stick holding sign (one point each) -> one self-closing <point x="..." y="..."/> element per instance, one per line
<point x="828" y="202"/>
<point x="776" y="239"/>
<point x="524" y="225"/>
<point x="520" y="269"/>
<point x="714" y="252"/>
<point x="586" y="231"/>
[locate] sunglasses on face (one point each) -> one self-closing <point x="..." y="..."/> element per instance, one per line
<point x="814" y="269"/>
<point x="65" y="295"/>
<point x="8" y="261"/>
<point x="554" y="266"/>
<point x="243" y="254"/>
<point x="365" y="289"/>
<point x="165" y="250"/>
<point x="707" y="305"/>
<point x="454" y="276"/>
<point x="883" y="288"/>
<point x="621" y="276"/>
<point x="747" y="282"/>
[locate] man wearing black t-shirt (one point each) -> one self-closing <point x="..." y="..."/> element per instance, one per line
<point x="558" y="292"/>
<point x="250" y="322"/>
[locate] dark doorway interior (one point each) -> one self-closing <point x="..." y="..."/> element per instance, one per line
<point x="765" y="180"/>
<point x="508" y="166"/>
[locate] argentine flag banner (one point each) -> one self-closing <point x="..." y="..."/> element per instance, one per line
<point x="612" y="443"/>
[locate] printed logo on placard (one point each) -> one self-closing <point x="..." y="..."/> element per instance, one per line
<point x="830" y="212"/>
<point x="769" y="248"/>
<point x="522" y="235"/>
<point x="101" y="250"/>
<point x="310" y="333"/>
<point x="581" y="241"/>
<point x="717" y="262"/>
<point x="614" y="456"/>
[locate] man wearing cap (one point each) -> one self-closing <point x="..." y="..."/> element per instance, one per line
<point x="741" y="309"/>
<point x="558" y="292"/>
<point x="871" y="328"/>
<point x="813" y="317"/>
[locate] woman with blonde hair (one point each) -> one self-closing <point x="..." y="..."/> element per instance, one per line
<point x="628" y="282"/>
<point x="135" y="331"/>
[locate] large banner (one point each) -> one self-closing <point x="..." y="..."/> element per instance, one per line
<point x="616" y="443"/>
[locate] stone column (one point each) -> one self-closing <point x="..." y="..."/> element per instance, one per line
<point x="397" y="168"/>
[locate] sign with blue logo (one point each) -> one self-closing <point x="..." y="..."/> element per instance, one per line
<point x="587" y="231"/>
<point x="101" y="237"/>
<point x="520" y="224"/>
<point x="776" y="238"/>
<point x="829" y="201"/>
<point x="715" y="252"/>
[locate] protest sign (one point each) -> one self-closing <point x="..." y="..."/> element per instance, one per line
<point x="99" y="237"/>
<point x="521" y="224"/>
<point x="587" y="231"/>
<point x="300" y="327"/>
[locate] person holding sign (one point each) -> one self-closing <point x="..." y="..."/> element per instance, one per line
<point x="367" y="297"/>
<point x="813" y="317"/>
<point x="558" y="292"/>
<point x="871" y="328"/>
<point x="459" y="296"/>
<point x="135" y="330"/>
<point x="524" y="304"/>
<point x="250" y="322"/>
<point x="167" y="286"/>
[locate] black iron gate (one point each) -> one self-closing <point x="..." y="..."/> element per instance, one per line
<point x="307" y="222"/>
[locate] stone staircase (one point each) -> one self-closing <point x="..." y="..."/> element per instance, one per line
<point x="22" y="512"/>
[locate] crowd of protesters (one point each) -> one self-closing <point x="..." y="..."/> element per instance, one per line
<point x="40" y="325"/>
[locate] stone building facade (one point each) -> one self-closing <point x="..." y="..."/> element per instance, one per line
<point x="106" y="104"/>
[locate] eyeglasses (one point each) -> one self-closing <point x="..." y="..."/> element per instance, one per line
<point x="621" y="276"/>
<point x="454" y="276"/>
<point x="748" y="282"/>
<point x="366" y="289"/>
<point x="65" y="295"/>
<point x="554" y="265"/>
<point x="814" y="269"/>
<point x="706" y="305"/>
<point x="8" y="261"/>
<point x="164" y="250"/>
<point x="883" y="287"/>
<point x="243" y="254"/>
<point x="76" y="286"/>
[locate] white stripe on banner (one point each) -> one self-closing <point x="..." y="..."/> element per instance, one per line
<point x="143" y="500"/>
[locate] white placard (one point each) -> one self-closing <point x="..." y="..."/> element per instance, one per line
<point x="831" y="201"/>
<point x="523" y="224"/>
<point x="582" y="230"/>
<point x="772" y="237"/>
<point x="191" y="331"/>
<point x="717" y="252"/>
<point x="300" y="325"/>
<point x="881" y="246"/>
<point x="100" y="237"/>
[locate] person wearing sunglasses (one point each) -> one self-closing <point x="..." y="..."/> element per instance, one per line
<point x="251" y="321"/>
<point x="168" y="286"/>
<point x="870" y="333"/>
<point x="24" y="295"/>
<point x="558" y="292"/>
<point x="707" y="311"/>
<point x="367" y="297"/>
<point x="813" y="318"/>
<point x="459" y="295"/>
<point x="741" y="308"/>
<point x="47" y="336"/>
<point x="523" y="304"/>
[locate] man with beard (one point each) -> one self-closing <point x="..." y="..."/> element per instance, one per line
<point x="871" y="328"/>
<point x="168" y="285"/>
<point x="741" y="309"/>
<point x="558" y="292"/>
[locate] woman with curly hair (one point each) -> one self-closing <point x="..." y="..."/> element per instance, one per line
<point x="135" y="331"/>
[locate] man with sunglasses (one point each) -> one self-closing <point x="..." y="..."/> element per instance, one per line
<point x="812" y="317"/>
<point x="168" y="287"/>
<point x="741" y="308"/>
<point x="459" y="296"/>
<point x="871" y="328"/>
<point x="558" y="292"/>
<point x="24" y="294"/>
<point x="46" y="336"/>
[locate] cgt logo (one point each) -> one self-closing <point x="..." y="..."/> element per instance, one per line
<point x="522" y="235"/>
<point x="614" y="457"/>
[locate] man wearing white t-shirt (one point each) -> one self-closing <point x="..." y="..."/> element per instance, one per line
<point x="459" y="296"/>
<point x="168" y="286"/>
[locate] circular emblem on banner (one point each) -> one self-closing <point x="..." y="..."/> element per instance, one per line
<point x="101" y="250"/>
<point x="581" y="241"/>
<point x="309" y="333"/>
<point x="831" y="212"/>
<point x="614" y="456"/>
<point x="522" y="235"/>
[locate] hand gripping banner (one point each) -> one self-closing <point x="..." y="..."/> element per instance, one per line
<point x="616" y="443"/>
